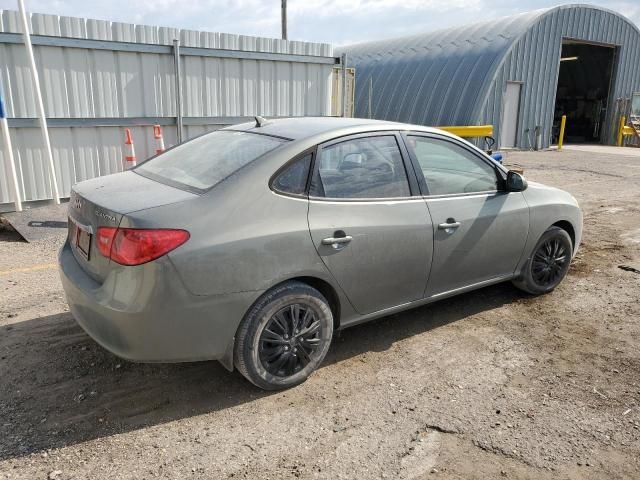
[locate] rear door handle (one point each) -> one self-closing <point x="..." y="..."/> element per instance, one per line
<point x="336" y="240"/>
<point x="449" y="225"/>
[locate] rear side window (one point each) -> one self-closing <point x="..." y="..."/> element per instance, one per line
<point x="207" y="160"/>
<point x="449" y="168"/>
<point x="366" y="167"/>
<point x="293" y="179"/>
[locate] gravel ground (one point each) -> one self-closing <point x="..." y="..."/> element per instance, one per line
<point x="491" y="384"/>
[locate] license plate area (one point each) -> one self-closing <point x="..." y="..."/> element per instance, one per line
<point x="80" y="237"/>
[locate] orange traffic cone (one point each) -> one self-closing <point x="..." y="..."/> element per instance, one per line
<point x="157" y="134"/>
<point x="130" y="151"/>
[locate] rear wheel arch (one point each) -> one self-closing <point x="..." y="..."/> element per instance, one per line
<point x="327" y="290"/>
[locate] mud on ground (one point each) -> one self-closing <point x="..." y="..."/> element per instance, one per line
<point x="491" y="384"/>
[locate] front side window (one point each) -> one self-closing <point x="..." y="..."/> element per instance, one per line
<point x="449" y="168"/>
<point x="203" y="162"/>
<point x="366" y="167"/>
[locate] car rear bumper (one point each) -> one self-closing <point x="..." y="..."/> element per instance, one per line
<point x="145" y="314"/>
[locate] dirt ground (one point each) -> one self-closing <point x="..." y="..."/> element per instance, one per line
<point x="491" y="384"/>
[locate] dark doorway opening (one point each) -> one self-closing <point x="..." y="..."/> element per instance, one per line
<point x="583" y="91"/>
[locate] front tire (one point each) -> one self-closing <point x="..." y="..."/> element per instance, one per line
<point x="284" y="336"/>
<point x="548" y="264"/>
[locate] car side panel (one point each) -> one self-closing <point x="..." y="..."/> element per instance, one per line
<point x="488" y="243"/>
<point x="245" y="246"/>
<point x="547" y="206"/>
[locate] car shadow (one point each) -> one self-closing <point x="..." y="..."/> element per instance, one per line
<point x="60" y="388"/>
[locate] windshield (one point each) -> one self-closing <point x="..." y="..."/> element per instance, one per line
<point x="205" y="161"/>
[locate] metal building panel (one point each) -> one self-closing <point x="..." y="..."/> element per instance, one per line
<point x="20" y="93"/>
<point x="73" y="27"/>
<point x="284" y="88"/>
<point x="61" y="140"/>
<point x="31" y="164"/>
<point x="231" y="99"/>
<point x="78" y="82"/>
<point x="111" y="149"/>
<point x="104" y="83"/>
<point x="212" y="87"/>
<point x="229" y="41"/>
<point x="167" y="35"/>
<point x="146" y="34"/>
<point x="11" y="21"/>
<point x="249" y="88"/>
<point x="97" y="82"/>
<point x="5" y="188"/>
<point x="193" y="86"/>
<point x="266" y="88"/>
<point x="167" y="86"/>
<point x="131" y="85"/>
<point x="51" y="66"/>
<point x="189" y="38"/>
<point x="151" y="85"/>
<point x="299" y="91"/>
<point x="85" y="153"/>
<point x="123" y="32"/>
<point x="99" y="30"/>
<point x="43" y="24"/>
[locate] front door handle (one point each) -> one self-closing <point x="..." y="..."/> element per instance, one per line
<point x="449" y="225"/>
<point x="336" y="240"/>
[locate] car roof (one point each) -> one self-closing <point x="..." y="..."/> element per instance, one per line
<point x="298" y="128"/>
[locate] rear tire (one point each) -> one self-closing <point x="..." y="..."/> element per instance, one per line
<point x="284" y="336"/>
<point x="548" y="264"/>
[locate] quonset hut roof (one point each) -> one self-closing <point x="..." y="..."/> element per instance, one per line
<point x="457" y="76"/>
<point x="435" y="78"/>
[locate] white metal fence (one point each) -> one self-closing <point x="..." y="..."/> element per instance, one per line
<point x="99" y="77"/>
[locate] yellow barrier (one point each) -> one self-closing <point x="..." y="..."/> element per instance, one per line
<point x="468" y="132"/>
<point x="621" y="130"/>
<point x="563" y="123"/>
<point x="627" y="130"/>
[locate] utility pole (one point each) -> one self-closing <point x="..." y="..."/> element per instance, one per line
<point x="284" y="19"/>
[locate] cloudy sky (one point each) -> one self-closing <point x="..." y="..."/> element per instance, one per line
<point x="334" y="21"/>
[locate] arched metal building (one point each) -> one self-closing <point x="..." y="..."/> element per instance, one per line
<point x="519" y="73"/>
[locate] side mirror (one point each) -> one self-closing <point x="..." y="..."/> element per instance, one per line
<point x="515" y="182"/>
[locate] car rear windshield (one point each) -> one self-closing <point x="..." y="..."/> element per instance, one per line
<point x="201" y="163"/>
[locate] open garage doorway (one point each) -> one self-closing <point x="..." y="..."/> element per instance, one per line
<point x="584" y="84"/>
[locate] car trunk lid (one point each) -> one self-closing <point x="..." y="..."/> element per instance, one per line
<point x="103" y="202"/>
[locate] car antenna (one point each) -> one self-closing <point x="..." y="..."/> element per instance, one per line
<point x="260" y="122"/>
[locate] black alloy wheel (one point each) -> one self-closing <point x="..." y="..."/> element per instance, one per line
<point x="549" y="262"/>
<point x="284" y="336"/>
<point x="290" y="340"/>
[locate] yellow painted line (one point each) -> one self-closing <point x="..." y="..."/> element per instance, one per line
<point x="33" y="268"/>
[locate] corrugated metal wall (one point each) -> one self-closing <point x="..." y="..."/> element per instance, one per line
<point x="458" y="76"/>
<point x="535" y="58"/>
<point x="99" y="77"/>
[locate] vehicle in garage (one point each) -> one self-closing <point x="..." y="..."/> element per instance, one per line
<point x="253" y="244"/>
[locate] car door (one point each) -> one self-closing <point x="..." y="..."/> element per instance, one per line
<point x="480" y="229"/>
<point x="368" y="221"/>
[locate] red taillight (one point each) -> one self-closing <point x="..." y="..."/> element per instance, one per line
<point x="135" y="246"/>
<point x="104" y="239"/>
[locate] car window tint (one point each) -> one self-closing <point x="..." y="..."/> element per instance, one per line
<point x="367" y="167"/>
<point x="294" y="178"/>
<point x="449" y="168"/>
<point x="205" y="161"/>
